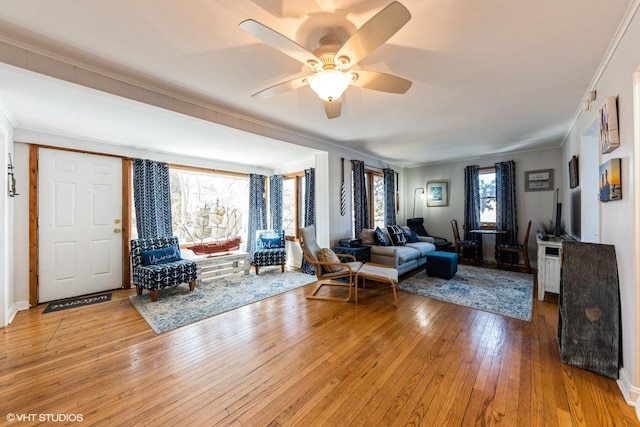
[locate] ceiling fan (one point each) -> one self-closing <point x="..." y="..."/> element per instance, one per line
<point x="330" y="63"/>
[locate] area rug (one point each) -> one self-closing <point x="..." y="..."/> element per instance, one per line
<point x="76" y="302"/>
<point x="177" y="306"/>
<point x="497" y="291"/>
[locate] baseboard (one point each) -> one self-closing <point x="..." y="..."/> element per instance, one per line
<point x="15" y="308"/>
<point x="630" y="393"/>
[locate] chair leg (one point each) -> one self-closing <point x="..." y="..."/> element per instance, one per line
<point x="154" y="295"/>
<point x="138" y="290"/>
<point x="192" y="285"/>
<point x="525" y="255"/>
<point x="257" y="270"/>
<point x="282" y="268"/>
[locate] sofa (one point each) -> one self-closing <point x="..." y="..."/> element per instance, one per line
<point x="403" y="255"/>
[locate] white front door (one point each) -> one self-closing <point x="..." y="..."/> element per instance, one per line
<point x="79" y="214"/>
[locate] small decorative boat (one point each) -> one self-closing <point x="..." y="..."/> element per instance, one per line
<point x="216" y="232"/>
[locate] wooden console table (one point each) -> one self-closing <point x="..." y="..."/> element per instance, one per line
<point x="210" y="267"/>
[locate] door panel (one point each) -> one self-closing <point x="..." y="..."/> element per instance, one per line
<point x="79" y="210"/>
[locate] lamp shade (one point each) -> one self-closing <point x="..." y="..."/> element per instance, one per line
<point x="329" y="84"/>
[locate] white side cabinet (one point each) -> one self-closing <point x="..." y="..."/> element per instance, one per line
<point x="549" y="254"/>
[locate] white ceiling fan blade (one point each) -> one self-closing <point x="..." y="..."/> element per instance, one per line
<point x="333" y="108"/>
<point x="382" y="82"/>
<point x="282" y="87"/>
<point x="375" y="32"/>
<point x="280" y="42"/>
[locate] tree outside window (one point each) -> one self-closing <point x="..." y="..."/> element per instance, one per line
<point x="487" y="179"/>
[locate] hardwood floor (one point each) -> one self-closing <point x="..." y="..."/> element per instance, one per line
<point x="291" y="361"/>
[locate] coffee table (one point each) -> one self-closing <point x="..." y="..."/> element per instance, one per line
<point x="212" y="266"/>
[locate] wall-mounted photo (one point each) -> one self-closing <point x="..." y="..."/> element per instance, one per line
<point x="608" y="124"/>
<point x="540" y="180"/>
<point x="610" y="181"/>
<point x="574" y="179"/>
<point x="437" y="193"/>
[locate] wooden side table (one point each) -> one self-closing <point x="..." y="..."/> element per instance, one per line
<point x="361" y="253"/>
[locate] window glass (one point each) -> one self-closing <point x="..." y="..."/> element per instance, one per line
<point x="225" y="197"/>
<point x="378" y="201"/>
<point x="488" y="196"/>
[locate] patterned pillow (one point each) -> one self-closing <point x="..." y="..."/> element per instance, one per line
<point x="160" y="256"/>
<point x="410" y="235"/>
<point x="397" y="235"/>
<point x="327" y="255"/>
<point x="381" y="237"/>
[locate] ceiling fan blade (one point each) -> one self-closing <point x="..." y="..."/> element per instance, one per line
<point x="280" y="42"/>
<point x="382" y="82"/>
<point x="282" y="87"/>
<point x="373" y="33"/>
<point x="333" y="108"/>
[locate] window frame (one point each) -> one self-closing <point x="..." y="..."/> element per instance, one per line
<point x="298" y="190"/>
<point x="370" y="175"/>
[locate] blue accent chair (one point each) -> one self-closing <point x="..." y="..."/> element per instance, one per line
<point x="160" y="276"/>
<point x="270" y="249"/>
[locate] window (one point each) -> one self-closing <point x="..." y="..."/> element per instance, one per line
<point x="376" y="203"/>
<point x="487" y="178"/>
<point x="293" y="204"/>
<point x="226" y="194"/>
<point x="375" y="198"/>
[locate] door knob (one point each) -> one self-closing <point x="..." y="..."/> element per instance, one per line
<point x="117" y="230"/>
<point x="116" y="221"/>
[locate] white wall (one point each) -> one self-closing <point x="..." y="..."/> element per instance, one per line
<point x="536" y="206"/>
<point x="7" y="307"/>
<point x="619" y="219"/>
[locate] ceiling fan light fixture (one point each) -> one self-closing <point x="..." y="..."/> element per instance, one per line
<point x="329" y="84"/>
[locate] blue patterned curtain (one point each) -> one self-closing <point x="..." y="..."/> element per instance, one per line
<point x="309" y="210"/>
<point x="275" y="201"/>
<point x="257" y="211"/>
<point x="471" y="200"/>
<point x="389" y="176"/>
<point x="152" y="199"/>
<point x="360" y="203"/>
<point x="506" y="206"/>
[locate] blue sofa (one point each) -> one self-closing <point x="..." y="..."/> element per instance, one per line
<point x="403" y="258"/>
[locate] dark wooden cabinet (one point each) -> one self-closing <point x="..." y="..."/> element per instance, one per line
<point x="589" y="308"/>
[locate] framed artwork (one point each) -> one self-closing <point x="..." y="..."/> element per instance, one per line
<point x="437" y="194"/>
<point x="573" y="172"/>
<point x="608" y="125"/>
<point x="540" y="180"/>
<point x="610" y="181"/>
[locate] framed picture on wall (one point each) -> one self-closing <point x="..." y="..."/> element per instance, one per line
<point x="437" y="194"/>
<point x="610" y="181"/>
<point x="573" y="172"/>
<point x="608" y="125"/>
<point x="540" y="180"/>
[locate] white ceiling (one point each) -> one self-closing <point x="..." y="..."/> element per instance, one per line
<point x="488" y="77"/>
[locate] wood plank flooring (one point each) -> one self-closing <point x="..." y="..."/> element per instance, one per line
<point x="295" y="362"/>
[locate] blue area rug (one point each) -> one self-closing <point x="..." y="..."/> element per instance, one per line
<point x="178" y="307"/>
<point x="497" y="291"/>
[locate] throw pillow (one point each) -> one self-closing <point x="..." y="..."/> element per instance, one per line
<point x="327" y="255"/>
<point x="411" y="236"/>
<point x="397" y="235"/>
<point x="160" y="256"/>
<point x="367" y="237"/>
<point x="381" y="237"/>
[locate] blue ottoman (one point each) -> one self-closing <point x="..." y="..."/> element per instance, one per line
<point x="442" y="264"/>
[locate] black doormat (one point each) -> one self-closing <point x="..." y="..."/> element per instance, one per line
<point x="76" y="302"/>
